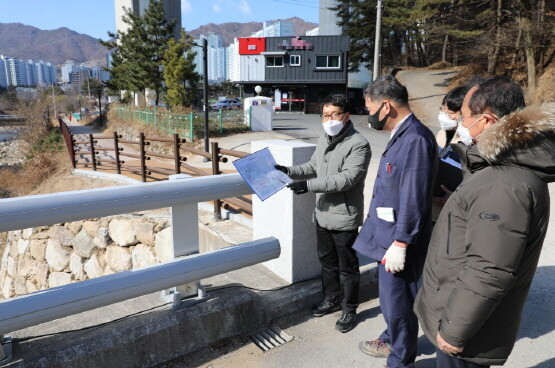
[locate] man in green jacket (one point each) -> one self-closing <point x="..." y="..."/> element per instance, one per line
<point x="487" y="241"/>
<point x="336" y="173"/>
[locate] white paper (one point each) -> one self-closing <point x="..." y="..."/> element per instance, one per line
<point x="386" y="213"/>
<point x="260" y="174"/>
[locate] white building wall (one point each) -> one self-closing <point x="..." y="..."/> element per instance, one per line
<point x="233" y="63"/>
<point x="313" y="32"/>
<point x="66" y="69"/>
<point x="328" y="19"/>
<point x="251" y="68"/>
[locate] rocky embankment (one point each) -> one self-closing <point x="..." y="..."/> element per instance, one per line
<point x="44" y="257"/>
<point x="11" y="148"/>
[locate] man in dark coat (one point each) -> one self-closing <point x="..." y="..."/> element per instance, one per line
<point x="487" y="241"/>
<point x="396" y="231"/>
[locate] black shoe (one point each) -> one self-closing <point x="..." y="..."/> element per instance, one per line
<point x="346" y="322"/>
<point x="324" y="308"/>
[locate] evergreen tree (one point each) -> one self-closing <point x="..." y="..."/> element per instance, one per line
<point x="129" y="70"/>
<point x="137" y="53"/>
<point x="157" y="31"/>
<point x="179" y="74"/>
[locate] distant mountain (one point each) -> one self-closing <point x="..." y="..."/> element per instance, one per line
<point x="228" y="31"/>
<point x="26" y="42"/>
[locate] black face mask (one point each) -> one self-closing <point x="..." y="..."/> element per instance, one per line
<point x="373" y="119"/>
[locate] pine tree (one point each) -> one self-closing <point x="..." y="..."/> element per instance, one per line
<point x="129" y="58"/>
<point x="157" y="31"/>
<point x="179" y="74"/>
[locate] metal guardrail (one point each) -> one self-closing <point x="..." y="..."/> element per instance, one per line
<point x="182" y="195"/>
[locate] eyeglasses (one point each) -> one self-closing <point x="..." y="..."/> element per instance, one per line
<point x="334" y="116"/>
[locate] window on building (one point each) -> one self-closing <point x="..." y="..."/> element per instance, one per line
<point x="327" y="62"/>
<point x="295" y="60"/>
<point x="274" y="60"/>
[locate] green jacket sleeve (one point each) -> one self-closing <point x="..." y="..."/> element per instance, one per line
<point x="354" y="168"/>
<point x="498" y="220"/>
<point x="304" y="171"/>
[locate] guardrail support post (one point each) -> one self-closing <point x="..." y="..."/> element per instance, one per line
<point x="185" y="242"/>
<point x="177" y="157"/>
<point x="143" y="155"/>
<point x="93" y="154"/>
<point x="216" y="171"/>
<point x="116" y="153"/>
<point x="5" y="349"/>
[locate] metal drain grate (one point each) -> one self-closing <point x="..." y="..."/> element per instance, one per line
<point x="270" y="338"/>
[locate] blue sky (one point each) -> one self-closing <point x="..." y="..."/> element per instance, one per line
<point x="96" y="17"/>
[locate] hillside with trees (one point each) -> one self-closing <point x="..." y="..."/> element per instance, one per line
<point x="515" y="38"/>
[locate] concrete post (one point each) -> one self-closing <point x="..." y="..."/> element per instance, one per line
<point x="288" y="217"/>
<point x="185" y="242"/>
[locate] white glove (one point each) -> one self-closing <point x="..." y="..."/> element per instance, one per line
<point x="394" y="258"/>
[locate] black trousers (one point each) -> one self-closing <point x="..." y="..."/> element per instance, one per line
<point x="340" y="272"/>
<point x="447" y="361"/>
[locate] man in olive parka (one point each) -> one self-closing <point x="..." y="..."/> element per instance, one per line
<point x="487" y="241"/>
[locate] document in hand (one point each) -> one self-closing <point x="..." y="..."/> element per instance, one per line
<point x="260" y="174"/>
<point x="449" y="174"/>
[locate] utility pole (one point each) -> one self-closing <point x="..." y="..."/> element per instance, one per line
<point x="377" y="41"/>
<point x="89" y="88"/>
<point x="205" y="94"/>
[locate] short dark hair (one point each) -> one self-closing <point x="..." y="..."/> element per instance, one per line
<point x="500" y="95"/>
<point x="454" y="98"/>
<point x="388" y="87"/>
<point x="336" y="100"/>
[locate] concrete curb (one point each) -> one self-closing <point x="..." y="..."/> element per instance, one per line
<point x="164" y="334"/>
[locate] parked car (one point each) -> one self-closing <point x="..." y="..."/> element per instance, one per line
<point x="227" y="104"/>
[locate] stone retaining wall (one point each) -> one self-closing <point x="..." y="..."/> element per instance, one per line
<point x="44" y="257"/>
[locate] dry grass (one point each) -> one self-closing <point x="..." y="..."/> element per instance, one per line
<point x="466" y="72"/>
<point x="16" y="183"/>
<point x="440" y="65"/>
<point x="545" y="91"/>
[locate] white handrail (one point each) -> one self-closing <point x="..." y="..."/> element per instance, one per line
<point x="31" y="309"/>
<point x="49" y="209"/>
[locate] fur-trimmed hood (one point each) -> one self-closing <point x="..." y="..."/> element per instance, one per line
<point x="524" y="138"/>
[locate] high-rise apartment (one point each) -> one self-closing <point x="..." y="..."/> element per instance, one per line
<point x="16" y="72"/>
<point x="217" y="56"/>
<point x="172" y="9"/>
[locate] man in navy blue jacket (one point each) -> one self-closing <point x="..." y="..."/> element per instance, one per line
<point x="396" y="231"/>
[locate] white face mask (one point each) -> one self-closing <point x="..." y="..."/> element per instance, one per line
<point x="332" y="127"/>
<point x="445" y="122"/>
<point x="464" y="133"/>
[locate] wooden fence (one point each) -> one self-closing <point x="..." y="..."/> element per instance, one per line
<point x="89" y="148"/>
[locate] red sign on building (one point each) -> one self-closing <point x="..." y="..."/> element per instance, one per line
<point x="252" y="45"/>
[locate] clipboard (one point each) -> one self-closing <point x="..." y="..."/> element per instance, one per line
<point x="447" y="175"/>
